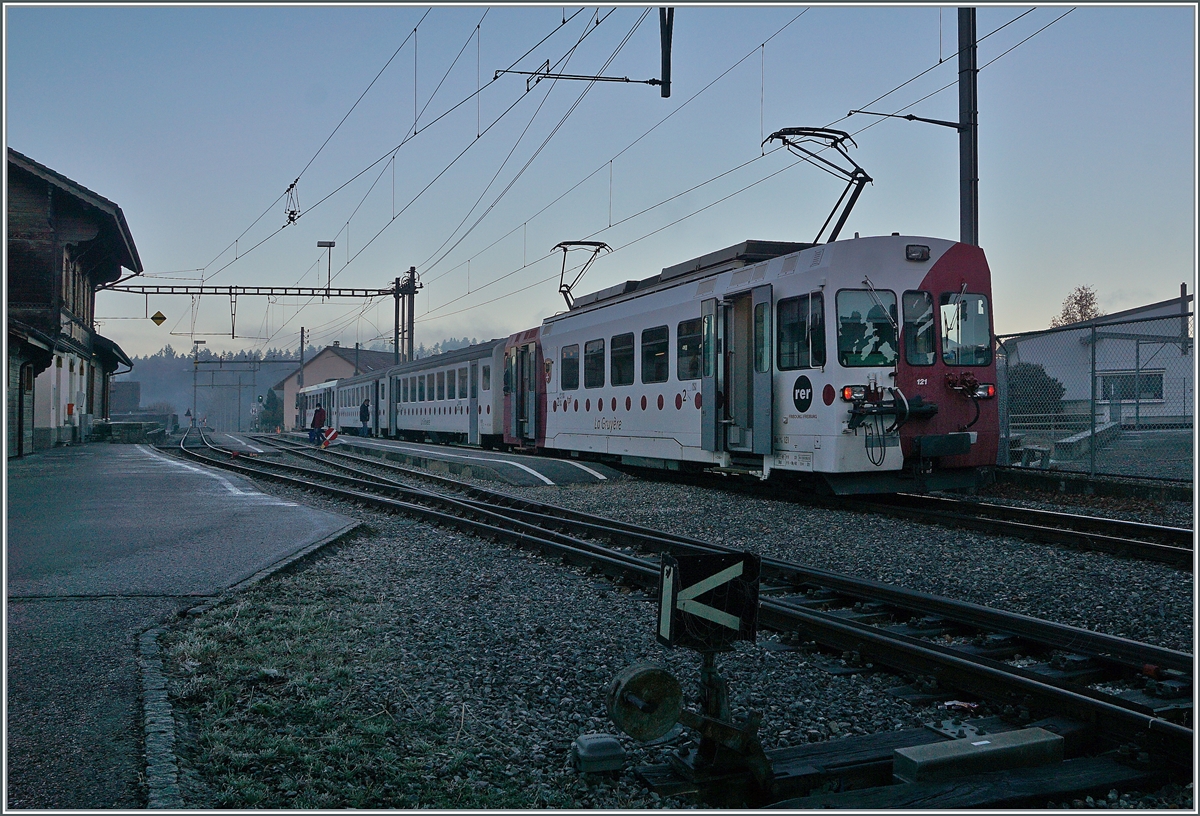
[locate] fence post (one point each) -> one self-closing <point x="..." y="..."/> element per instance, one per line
<point x="1092" y="444"/>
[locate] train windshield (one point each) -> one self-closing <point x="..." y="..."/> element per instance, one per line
<point x="966" y="330"/>
<point x="866" y="327"/>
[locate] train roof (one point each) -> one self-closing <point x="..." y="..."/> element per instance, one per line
<point x="713" y="263"/>
<point x="472" y="352"/>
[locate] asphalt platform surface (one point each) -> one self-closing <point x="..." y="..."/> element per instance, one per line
<point x="103" y="542"/>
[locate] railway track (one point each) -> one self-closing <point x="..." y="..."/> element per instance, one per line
<point x="1116" y="693"/>
<point x="1124" y="539"/>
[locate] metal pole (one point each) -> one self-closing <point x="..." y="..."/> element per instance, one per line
<point x="1092" y="441"/>
<point x="1137" y="385"/>
<point x="396" y="325"/>
<point x="412" y="308"/>
<point x="968" y="134"/>
<point x="300" y="380"/>
<point x="195" y="370"/>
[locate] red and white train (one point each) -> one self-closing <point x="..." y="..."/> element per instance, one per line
<point x="866" y="364"/>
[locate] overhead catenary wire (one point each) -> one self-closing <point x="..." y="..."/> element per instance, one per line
<point x="438" y="316"/>
<point x="390" y="152"/>
<point x="562" y="60"/>
<point x="434" y="315"/>
<point x="443" y="172"/>
<point x="627" y="147"/>
<point x="551" y="135"/>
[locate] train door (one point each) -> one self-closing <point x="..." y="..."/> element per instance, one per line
<point x="711" y="383"/>
<point x="524" y="377"/>
<point x="380" y="393"/>
<point x="736" y="384"/>
<point x="473" y="404"/>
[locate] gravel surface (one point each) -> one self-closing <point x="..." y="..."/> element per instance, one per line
<point x="513" y="653"/>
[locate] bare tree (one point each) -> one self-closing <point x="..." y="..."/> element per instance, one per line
<point x="1081" y="304"/>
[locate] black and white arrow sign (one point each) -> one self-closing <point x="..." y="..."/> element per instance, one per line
<point x="708" y="601"/>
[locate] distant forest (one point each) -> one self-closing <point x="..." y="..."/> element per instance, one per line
<point x="224" y="395"/>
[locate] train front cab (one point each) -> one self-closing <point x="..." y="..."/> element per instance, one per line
<point x="935" y="425"/>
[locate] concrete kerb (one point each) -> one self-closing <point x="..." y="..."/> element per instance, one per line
<point x="162" y="768"/>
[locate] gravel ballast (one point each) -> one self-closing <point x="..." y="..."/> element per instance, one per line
<point x="419" y="667"/>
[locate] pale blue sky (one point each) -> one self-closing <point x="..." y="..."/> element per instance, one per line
<point x="195" y="119"/>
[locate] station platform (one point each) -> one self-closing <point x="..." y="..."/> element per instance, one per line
<point x="509" y="468"/>
<point x="103" y="542"/>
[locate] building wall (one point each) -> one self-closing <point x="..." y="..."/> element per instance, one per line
<point x="60" y="410"/>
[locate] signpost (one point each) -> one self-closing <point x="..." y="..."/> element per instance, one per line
<point x="707" y="602"/>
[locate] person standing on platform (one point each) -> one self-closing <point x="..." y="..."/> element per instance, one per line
<point x="318" y="422"/>
<point x="364" y="416"/>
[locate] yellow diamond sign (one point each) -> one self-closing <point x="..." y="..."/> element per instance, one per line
<point x="158" y="318"/>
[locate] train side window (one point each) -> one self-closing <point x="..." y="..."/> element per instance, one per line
<point x="762" y="331"/>
<point x="441" y="385"/>
<point x="569" y="375"/>
<point x="801" y="335"/>
<point x="919" y="329"/>
<point x="487" y="378"/>
<point x="688" y="346"/>
<point x="462" y="383"/>
<point x="866" y="327"/>
<point x="593" y="364"/>
<point x="421" y="389"/>
<point x="656" y="347"/>
<point x="621" y="358"/>
<point x="966" y="329"/>
<point x="450" y="389"/>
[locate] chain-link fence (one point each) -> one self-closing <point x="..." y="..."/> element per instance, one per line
<point x="1111" y="398"/>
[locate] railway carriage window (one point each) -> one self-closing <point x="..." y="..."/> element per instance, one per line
<point x="801" y="336"/>
<point x="966" y="330"/>
<point x="450" y="390"/>
<point x="918" y="329"/>
<point x="656" y="345"/>
<point x="622" y="359"/>
<point x="593" y="364"/>
<point x="430" y="387"/>
<point x="462" y="383"/>
<point x="688" y="338"/>
<point x="420" y="389"/>
<point x="487" y="378"/>
<point x="569" y="376"/>
<point x="762" y="330"/>
<point x="404" y="390"/>
<point x="866" y="327"/>
<point x="441" y="385"/>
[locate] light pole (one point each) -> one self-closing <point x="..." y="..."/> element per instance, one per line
<point x="329" y="269"/>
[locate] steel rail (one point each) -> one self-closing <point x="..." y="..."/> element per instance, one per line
<point x="1119" y="528"/>
<point x="983" y="677"/>
<point x="1129" y="653"/>
<point x="1176" y="556"/>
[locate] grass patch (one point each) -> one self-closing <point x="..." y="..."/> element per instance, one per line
<point x="273" y="686"/>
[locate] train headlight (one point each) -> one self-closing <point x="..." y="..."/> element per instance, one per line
<point x="916" y="252"/>
<point x="985" y="391"/>
<point x="854" y="393"/>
